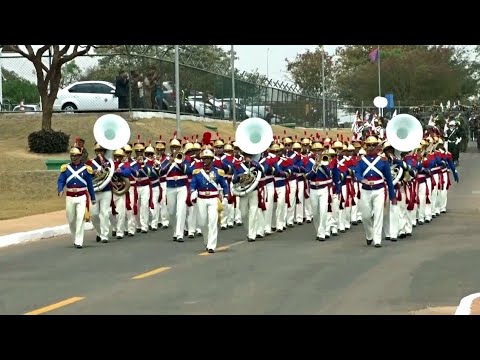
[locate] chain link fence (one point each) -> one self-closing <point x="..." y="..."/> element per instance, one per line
<point x="91" y="84"/>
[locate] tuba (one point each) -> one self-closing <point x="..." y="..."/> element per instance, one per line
<point x="111" y="132"/>
<point x="253" y="136"/>
<point x="404" y="132"/>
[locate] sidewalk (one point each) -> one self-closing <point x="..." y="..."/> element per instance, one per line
<point x="35" y="227"/>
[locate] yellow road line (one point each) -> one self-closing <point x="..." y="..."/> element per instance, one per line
<point x="55" y="306"/>
<point x="150" y="273"/>
<point x="222" y="248"/>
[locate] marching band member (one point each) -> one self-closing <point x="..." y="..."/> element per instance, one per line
<point x="154" y="167"/>
<point x="191" y="217"/>
<point x="348" y="191"/>
<point x="336" y="194"/>
<point x="306" y="155"/>
<point x="130" y="197"/>
<point x="281" y="197"/>
<point x="228" y="208"/>
<point x="119" y="205"/>
<point x="407" y="191"/>
<point x="445" y="159"/>
<point x="423" y="184"/>
<point x="372" y="171"/>
<point x="237" y="158"/>
<point x="142" y="196"/>
<point x="394" y="216"/>
<point x="101" y="210"/>
<point x="342" y="197"/>
<point x="264" y="218"/>
<point x="291" y="184"/>
<point x="78" y="180"/>
<point x="251" y="202"/>
<point x="356" y="216"/>
<point x="209" y="187"/>
<point x="176" y="173"/>
<point x="163" y="159"/>
<point x="299" y="202"/>
<point x="321" y="179"/>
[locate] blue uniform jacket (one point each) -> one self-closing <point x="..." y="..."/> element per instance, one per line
<point x="84" y="178"/>
<point x="383" y="167"/>
<point x="200" y="183"/>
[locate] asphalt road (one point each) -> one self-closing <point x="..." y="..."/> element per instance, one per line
<point x="287" y="273"/>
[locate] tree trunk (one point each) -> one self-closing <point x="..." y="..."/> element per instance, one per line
<point x="48" y="98"/>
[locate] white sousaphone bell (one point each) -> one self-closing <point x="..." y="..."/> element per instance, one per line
<point x="404" y="133"/>
<point x="253" y="136"/>
<point x="110" y="132"/>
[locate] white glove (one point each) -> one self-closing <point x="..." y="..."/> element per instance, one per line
<point x="194" y="195"/>
<point x="458" y="141"/>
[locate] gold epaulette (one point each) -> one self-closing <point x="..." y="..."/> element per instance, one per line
<point x="196" y="171"/>
<point x="63" y="167"/>
<point x="221" y="172"/>
<point x="89" y="169"/>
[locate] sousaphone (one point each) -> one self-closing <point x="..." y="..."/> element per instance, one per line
<point x="111" y="132"/>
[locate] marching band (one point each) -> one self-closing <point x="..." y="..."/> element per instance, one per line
<point x="201" y="186"/>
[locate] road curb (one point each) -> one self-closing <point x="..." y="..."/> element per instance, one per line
<point x="35" y="235"/>
<point x="464" y="308"/>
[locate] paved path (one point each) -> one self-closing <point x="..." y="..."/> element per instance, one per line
<point x="287" y="273"/>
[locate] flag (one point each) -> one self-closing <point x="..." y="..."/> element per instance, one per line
<point x="373" y="56"/>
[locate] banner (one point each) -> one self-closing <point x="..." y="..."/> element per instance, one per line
<point x="390" y="104"/>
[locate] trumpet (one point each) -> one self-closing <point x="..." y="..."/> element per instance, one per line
<point x="178" y="157"/>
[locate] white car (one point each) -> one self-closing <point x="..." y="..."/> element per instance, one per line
<point x="86" y="96"/>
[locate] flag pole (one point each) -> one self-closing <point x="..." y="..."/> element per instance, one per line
<point x="379" y="82"/>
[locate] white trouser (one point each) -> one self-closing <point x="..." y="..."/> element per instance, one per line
<point x="141" y="219"/>
<point x="300" y="207"/>
<point x="155" y="212"/>
<point x="100" y="213"/>
<point x="268" y="193"/>
<point x="404" y="222"/>
<point x="75" y="209"/>
<point x="164" y="214"/>
<point x="345" y="214"/>
<point x="391" y="220"/>
<point x="291" y="210"/>
<point x="319" y="202"/>
<point x="130" y="215"/>
<point x="177" y="206"/>
<point x="356" y="215"/>
<point x="207" y="220"/>
<point x="280" y="207"/>
<point x="433" y="198"/>
<point x="428" y="207"/>
<point x="420" y="207"/>
<point x="371" y="206"/>
<point x="248" y="208"/>
<point x="192" y="220"/>
<point x="332" y="217"/>
<point x="237" y="214"/>
<point x="228" y="211"/>
<point x="118" y="221"/>
<point x="308" y="209"/>
<point x="443" y="194"/>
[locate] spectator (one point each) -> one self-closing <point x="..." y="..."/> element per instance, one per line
<point x="121" y="89"/>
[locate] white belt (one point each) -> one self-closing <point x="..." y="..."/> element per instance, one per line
<point x="279" y="178"/>
<point x="155" y="182"/>
<point x="422" y="175"/>
<point x="320" y="183"/>
<point x="375" y="182"/>
<point x="142" y="178"/>
<point x="175" y="178"/>
<point x="208" y="193"/>
<point x="76" y="189"/>
<point x="435" y="168"/>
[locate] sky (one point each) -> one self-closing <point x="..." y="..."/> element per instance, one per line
<point x="270" y="59"/>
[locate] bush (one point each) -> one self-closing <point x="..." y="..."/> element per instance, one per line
<point x="48" y="142"/>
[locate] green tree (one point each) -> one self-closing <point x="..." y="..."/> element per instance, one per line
<point x="16" y="89"/>
<point x="413" y="73"/>
<point x="48" y="77"/>
<point x="306" y="71"/>
<point x="71" y="72"/>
